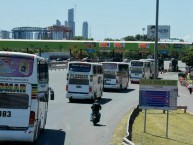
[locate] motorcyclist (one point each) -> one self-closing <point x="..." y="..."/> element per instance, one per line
<point x="95" y="109"/>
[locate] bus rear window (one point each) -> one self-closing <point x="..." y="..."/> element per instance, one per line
<point x="14" y="101"/>
<point x="16" y="67"/>
<point x="79" y="67"/>
<point x="109" y="66"/>
<point x="136" y="63"/>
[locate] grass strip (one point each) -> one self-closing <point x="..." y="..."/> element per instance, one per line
<point x="180" y="129"/>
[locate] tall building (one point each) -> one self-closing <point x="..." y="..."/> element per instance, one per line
<point x="71" y="22"/>
<point x="4" y="34"/>
<point x="58" y="23"/>
<point x="85" y="30"/>
<point x="66" y="23"/>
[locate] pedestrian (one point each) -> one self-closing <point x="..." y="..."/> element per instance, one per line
<point x="190" y="88"/>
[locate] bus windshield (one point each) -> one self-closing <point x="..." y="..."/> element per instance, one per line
<point x="109" y="66"/>
<point x="16" y="67"/>
<point x="79" y="67"/>
<point x="136" y="63"/>
<point x="136" y="70"/>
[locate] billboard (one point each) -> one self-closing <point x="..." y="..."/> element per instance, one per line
<point x="163" y="32"/>
<point x="158" y="94"/>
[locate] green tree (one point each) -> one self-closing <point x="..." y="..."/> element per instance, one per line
<point x="188" y="58"/>
<point x="129" y="38"/>
<point x="81" y="38"/>
<point x="138" y="37"/>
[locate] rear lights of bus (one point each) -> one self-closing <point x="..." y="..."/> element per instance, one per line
<point x="90" y="89"/>
<point x="66" y="87"/>
<point x="32" y="118"/>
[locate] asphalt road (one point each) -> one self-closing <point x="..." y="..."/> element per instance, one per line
<point x="68" y="123"/>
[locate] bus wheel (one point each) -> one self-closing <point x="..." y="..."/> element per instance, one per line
<point x="70" y="100"/>
<point x="120" y="88"/>
<point x="95" y="96"/>
<point x="101" y="94"/>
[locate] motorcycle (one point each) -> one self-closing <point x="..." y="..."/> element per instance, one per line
<point x="95" y="118"/>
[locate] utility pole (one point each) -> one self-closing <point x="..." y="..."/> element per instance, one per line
<point x="156" y="39"/>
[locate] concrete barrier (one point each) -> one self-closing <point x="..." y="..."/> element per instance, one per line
<point x="128" y="139"/>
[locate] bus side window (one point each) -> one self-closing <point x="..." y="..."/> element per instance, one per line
<point x="94" y="70"/>
<point x="42" y="71"/>
<point x="100" y="70"/>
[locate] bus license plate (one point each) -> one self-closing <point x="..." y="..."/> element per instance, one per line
<point x="78" y="86"/>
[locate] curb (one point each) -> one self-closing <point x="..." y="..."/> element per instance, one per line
<point x="128" y="138"/>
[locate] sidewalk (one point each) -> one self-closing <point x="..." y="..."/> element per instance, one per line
<point x="185" y="98"/>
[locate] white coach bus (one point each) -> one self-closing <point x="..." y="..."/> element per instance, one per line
<point x="24" y="95"/>
<point x="84" y="80"/>
<point x="139" y="69"/>
<point x="152" y="68"/>
<point x="116" y="75"/>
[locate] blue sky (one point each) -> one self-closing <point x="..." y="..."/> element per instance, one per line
<point x="108" y="18"/>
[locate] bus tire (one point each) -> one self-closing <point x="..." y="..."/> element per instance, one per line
<point x="101" y="94"/>
<point x="70" y="100"/>
<point x="120" y="88"/>
<point x="95" y="96"/>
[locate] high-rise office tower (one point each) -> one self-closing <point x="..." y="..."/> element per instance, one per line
<point x="71" y="22"/>
<point x="58" y="23"/>
<point x="85" y="30"/>
<point x="66" y="23"/>
<point x="4" y="34"/>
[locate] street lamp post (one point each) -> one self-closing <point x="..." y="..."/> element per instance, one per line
<point x="143" y="29"/>
<point x="156" y="39"/>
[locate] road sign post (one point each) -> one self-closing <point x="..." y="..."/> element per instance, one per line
<point x="158" y="94"/>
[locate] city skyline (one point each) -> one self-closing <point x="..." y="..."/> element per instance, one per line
<point x="109" y="19"/>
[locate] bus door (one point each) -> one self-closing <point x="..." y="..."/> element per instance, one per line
<point x="15" y="103"/>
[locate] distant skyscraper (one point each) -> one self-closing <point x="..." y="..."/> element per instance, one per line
<point x="85" y="30"/>
<point x="4" y="34"/>
<point x="58" y="23"/>
<point x="71" y="22"/>
<point x="66" y="23"/>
